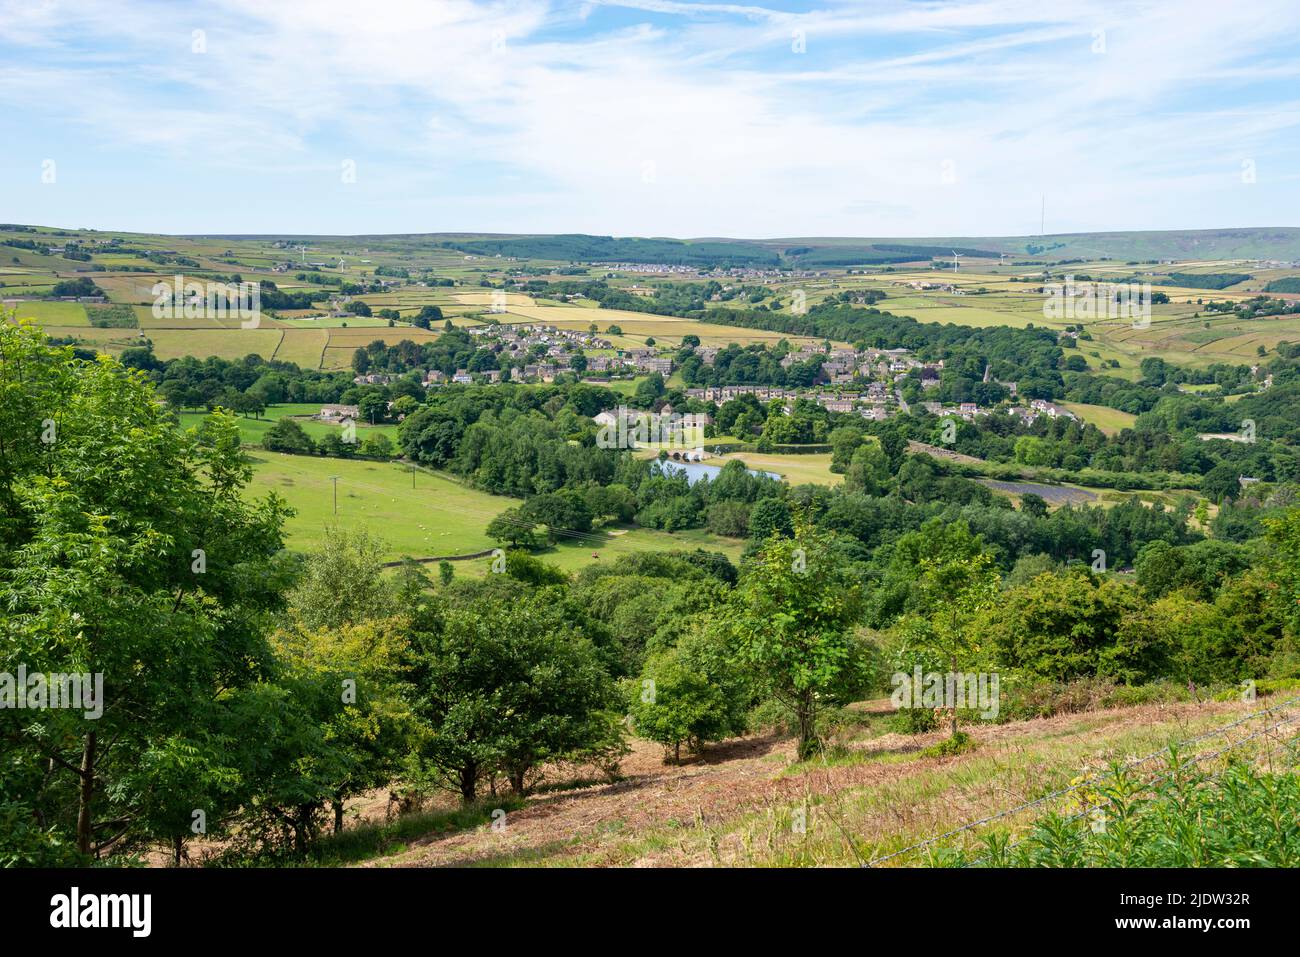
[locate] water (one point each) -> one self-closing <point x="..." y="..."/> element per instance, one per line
<point x="698" y="470"/>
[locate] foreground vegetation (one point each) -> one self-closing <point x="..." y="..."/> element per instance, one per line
<point x="252" y="695"/>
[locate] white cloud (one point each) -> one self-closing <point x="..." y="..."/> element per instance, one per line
<point x="533" y="116"/>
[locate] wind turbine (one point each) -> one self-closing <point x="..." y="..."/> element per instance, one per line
<point x="956" y="260"/>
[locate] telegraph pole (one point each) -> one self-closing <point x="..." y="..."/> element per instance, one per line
<point x="335" y="480"/>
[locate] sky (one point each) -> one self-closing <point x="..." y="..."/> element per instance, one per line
<point x="650" y="117"/>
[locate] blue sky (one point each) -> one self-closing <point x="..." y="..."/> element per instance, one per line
<point x="650" y="117"/>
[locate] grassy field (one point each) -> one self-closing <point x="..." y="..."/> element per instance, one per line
<point x="432" y="516"/>
<point x="302" y="347"/>
<point x="1103" y="417"/>
<point x="435" y="517"/>
<point x="52" y="313"/>
<point x="795" y="469"/>
<point x="251" y="430"/>
<point x="638" y="326"/>
<point x="575" y="552"/>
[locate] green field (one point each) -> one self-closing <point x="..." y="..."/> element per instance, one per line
<point x="437" y="517"/>
<point x="638" y="326"/>
<point x="52" y="313"/>
<point x="1103" y="417"/>
<point x="795" y="469"/>
<point x="252" y="430"/>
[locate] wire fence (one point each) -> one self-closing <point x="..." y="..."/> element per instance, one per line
<point x="1128" y="765"/>
<point x="1151" y="785"/>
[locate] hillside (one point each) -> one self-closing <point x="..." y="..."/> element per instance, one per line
<point x="742" y="801"/>
<point x="1278" y="243"/>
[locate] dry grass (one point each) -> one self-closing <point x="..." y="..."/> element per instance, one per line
<point x="738" y="803"/>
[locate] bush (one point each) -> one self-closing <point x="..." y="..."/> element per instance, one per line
<point x="687" y="695"/>
<point x="948" y="747"/>
<point x="1243" y="817"/>
<point x="288" y="436"/>
<point x="913" y="721"/>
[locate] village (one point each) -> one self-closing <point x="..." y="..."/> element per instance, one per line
<point x="866" y="382"/>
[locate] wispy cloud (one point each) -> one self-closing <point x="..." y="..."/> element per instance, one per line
<point x="653" y="116"/>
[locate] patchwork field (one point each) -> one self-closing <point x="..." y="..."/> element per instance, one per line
<point x="980" y="293"/>
<point x="638" y="326"/>
<point x="983" y="294"/>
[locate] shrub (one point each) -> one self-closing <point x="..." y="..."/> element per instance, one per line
<point x="948" y="747"/>
<point x="1241" y="817"/>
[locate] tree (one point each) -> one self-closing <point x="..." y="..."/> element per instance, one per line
<point x="649" y="389"/>
<point x="533" y="571"/>
<point x="689" y="694"/>
<point x="768" y="518"/>
<point x="868" y="470"/>
<point x="1063" y="626"/>
<point x="288" y="436"/>
<point x="404" y="405"/>
<point x="80" y="287"/>
<point x="844" y="442"/>
<point x="952" y="589"/>
<point x="511" y="528"/>
<point x="343" y="582"/>
<point x="348" y="684"/>
<point x="129" y="555"/>
<point x="1284" y="535"/>
<point x="791" y="620"/>
<point x="507" y="684"/>
<point x="1034" y="505"/>
<point x="560" y="512"/>
<point x="1222" y="483"/>
<point x="728" y="518"/>
<point x="373" y="406"/>
<point x="377" y="446"/>
<point x="336" y="446"/>
<point x="426" y="317"/>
